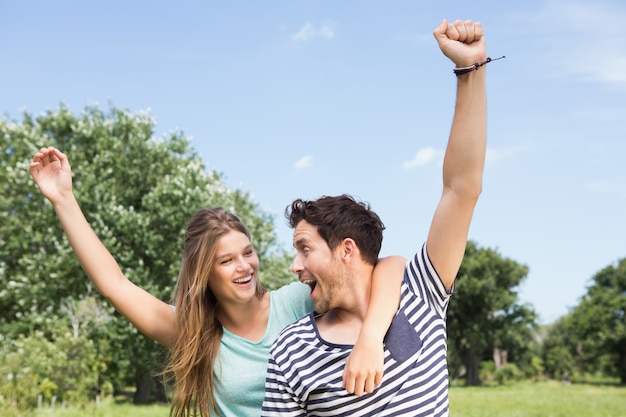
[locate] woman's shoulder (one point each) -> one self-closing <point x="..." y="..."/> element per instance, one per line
<point x="295" y="289"/>
<point x="292" y="300"/>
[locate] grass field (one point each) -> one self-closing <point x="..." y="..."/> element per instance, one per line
<point x="545" y="399"/>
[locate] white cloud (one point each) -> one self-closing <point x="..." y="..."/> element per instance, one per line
<point x="310" y="30"/>
<point x="304" y="163"/>
<point x="423" y="157"/>
<point x="306" y="32"/>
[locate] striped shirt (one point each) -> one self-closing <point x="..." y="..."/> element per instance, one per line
<point x="304" y="371"/>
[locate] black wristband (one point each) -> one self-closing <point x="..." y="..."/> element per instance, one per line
<point x="465" y="70"/>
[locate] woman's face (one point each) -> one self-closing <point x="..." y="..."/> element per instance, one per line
<point x="234" y="274"/>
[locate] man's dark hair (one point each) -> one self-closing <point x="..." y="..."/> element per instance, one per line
<point x="338" y="218"/>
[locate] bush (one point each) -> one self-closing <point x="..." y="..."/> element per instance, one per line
<point x="67" y="368"/>
<point x="508" y="373"/>
<point x="536" y="369"/>
<point x="487" y="372"/>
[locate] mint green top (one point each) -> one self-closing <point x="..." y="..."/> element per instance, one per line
<point x="240" y="369"/>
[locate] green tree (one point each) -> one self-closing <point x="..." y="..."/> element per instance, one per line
<point x="138" y="192"/>
<point x="485" y="318"/>
<point x="276" y="270"/>
<point x="559" y="351"/>
<point x="596" y="328"/>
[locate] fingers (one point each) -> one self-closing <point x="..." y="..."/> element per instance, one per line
<point x="59" y="156"/>
<point x="38" y="161"/>
<point x="348" y="383"/>
<point x="362" y="384"/>
<point x="46" y="156"/>
<point x="365" y="385"/>
<point x="440" y="31"/>
<point x="453" y="31"/>
<point x="356" y="386"/>
<point x="370" y="384"/>
<point x="42" y="156"/>
<point x="34" y="168"/>
<point x="463" y="31"/>
<point x="474" y="31"/>
<point x="49" y="155"/>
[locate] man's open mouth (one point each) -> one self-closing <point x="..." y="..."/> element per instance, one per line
<point x="310" y="282"/>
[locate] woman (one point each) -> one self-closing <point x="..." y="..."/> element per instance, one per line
<point x="224" y="321"/>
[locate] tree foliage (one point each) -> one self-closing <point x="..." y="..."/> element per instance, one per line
<point x="484" y="315"/>
<point x="558" y="355"/>
<point x="137" y="192"/>
<point x="592" y="337"/>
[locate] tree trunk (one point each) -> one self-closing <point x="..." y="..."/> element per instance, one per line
<point x="500" y="357"/>
<point x="621" y="367"/>
<point x="143" y="387"/>
<point x="160" y="391"/>
<point x="497" y="357"/>
<point x="472" y="365"/>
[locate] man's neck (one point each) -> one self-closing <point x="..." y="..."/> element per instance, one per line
<point x="338" y="327"/>
<point x="342" y="325"/>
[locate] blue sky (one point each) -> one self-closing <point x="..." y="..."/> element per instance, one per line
<point x="304" y="98"/>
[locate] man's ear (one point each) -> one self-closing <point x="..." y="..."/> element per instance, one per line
<point x="349" y="250"/>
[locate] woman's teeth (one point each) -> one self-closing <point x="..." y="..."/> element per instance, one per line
<point x="243" y="280"/>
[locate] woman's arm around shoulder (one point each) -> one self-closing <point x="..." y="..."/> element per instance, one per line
<point x="364" y="369"/>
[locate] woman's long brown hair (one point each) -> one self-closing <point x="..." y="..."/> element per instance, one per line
<point x="194" y="355"/>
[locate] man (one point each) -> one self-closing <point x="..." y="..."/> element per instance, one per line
<point x="337" y="241"/>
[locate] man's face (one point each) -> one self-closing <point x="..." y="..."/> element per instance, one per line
<point x="317" y="266"/>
